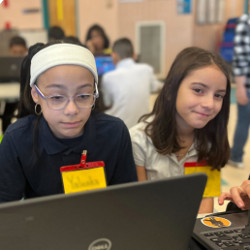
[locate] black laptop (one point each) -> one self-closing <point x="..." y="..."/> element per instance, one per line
<point x="10" y="69"/>
<point x="226" y="230"/>
<point x="153" y="215"/>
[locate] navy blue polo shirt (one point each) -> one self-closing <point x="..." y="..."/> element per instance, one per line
<point x="31" y="168"/>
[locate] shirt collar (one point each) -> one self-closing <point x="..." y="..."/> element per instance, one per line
<point x="125" y="63"/>
<point x="52" y="145"/>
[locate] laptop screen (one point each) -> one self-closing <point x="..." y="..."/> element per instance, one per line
<point x="104" y="64"/>
<point x="141" y="215"/>
<point x="10" y="68"/>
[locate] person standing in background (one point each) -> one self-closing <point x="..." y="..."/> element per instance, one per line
<point x="241" y="70"/>
<point x="126" y="90"/>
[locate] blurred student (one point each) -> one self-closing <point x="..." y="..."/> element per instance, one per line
<point x="126" y="90"/>
<point x="73" y="40"/>
<point x="241" y="70"/>
<point x="97" y="41"/>
<point x="188" y="122"/>
<point x="61" y="124"/>
<point x="55" y="33"/>
<point x="17" y="48"/>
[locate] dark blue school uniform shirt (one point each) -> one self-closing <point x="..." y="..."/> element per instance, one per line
<point x="30" y="166"/>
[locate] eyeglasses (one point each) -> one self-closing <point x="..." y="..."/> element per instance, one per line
<point x="59" y="102"/>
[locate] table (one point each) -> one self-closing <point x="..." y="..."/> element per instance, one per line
<point x="9" y="91"/>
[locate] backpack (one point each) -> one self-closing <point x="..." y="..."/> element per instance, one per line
<point x="226" y="49"/>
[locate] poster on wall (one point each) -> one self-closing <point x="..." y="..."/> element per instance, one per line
<point x="184" y="6"/>
<point x="210" y="11"/>
<point x="201" y="12"/>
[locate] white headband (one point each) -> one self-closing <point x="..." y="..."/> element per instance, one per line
<point x="61" y="54"/>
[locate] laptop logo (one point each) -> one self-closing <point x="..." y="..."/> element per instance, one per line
<point x="100" y="244"/>
<point x="13" y="67"/>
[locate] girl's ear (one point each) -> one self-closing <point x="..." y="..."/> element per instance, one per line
<point x="135" y="57"/>
<point x="34" y="94"/>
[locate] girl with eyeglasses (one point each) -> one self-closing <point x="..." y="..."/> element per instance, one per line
<point x="57" y="122"/>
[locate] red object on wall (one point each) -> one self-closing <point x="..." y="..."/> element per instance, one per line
<point x="5" y="3"/>
<point x="7" y="25"/>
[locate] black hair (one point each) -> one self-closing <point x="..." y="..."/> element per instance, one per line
<point x="101" y="31"/>
<point x="123" y="47"/>
<point x="24" y="106"/>
<point x="55" y="33"/>
<point x="73" y="40"/>
<point x="17" y="40"/>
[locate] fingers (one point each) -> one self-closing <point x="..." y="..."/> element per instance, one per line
<point x="237" y="194"/>
<point x="240" y="195"/>
<point x="245" y="186"/>
<point x="224" y="196"/>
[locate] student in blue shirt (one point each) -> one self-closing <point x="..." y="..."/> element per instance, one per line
<point x="60" y="98"/>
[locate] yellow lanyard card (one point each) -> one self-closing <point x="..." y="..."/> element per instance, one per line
<point x="84" y="179"/>
<point x="83" y="176"/>
<point x="213" y="186"/>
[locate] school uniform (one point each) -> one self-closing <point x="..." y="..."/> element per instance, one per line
<point x="126" y="90"/>
<point x="157" y="165"/>
<point x="27" y="172"/>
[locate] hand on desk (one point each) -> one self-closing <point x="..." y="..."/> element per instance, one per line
<point x="240" y="195"/>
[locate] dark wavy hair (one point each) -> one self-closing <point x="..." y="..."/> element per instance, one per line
<point x="26" y="105"/>
<point x="101" y="31"/>
<point x="212" y="140"/>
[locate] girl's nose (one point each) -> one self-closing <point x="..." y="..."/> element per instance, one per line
<point x="208" y="102"/>
<point x="71" y="107"/>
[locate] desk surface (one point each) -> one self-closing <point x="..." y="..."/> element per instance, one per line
<point x="9" y="91"/>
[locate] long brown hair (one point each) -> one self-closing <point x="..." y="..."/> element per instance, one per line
<point x="212" y="140"/>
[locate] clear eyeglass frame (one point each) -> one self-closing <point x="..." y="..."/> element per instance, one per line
<point x="59" y="102"/>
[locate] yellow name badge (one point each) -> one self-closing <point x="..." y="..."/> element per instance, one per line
<point x="213" y="186"/>
<point x="83" y="176"/>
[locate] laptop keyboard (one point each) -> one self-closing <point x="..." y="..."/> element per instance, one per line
<point x="230" y="239"/>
